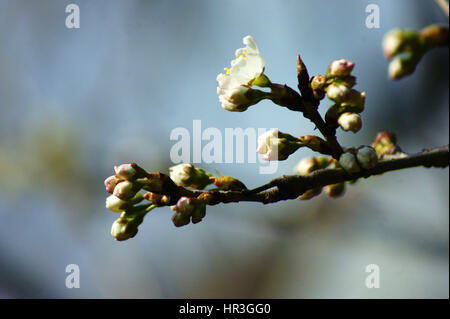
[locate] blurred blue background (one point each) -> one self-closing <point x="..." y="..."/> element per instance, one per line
<point x="76" y="102"/>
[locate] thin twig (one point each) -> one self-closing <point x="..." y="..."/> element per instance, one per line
<point x="291" y="186"/>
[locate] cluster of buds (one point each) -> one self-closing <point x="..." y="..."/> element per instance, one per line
<point x="124" y="186"/>
<point x="338" y="85"/>
<point x="189" y="209"/>
<point x="405" y="48"/>
<point x="353" y="160"/>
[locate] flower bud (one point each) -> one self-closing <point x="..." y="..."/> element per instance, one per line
<point x="385" y="137"/>
<point x="393" y="42"/>
<point x="126" y="190"/>
<point x="350" y="122"/>
<point x="276" y="145"/>
<point x="338" y="92"/>
<point x="335" y="190"/>
<point x="367" y="157"/>
<point x="355" y="102"/>
<point x="385" y="143"/>
<point x="122" y="229"/>
<point x="349" y="163"/>
<point x="401" y="66"/>
<point x="187" y="208"/>
<point x="116" y="204"/>
<point x="180" y="219"/>
<point x="184" y="206"/>
<point x="110" y="183"/>
<point x="306" y="166"/>
<point x="310" y="164"/>
<point x="310" y="193"/>
<point x="228" y="183"/>
<point x="340" y="68"/>
<point x="187" y="175"/>
<point x="129" y="172"/>
<point x="318" y="82"/>
<point x="198" y="213"/>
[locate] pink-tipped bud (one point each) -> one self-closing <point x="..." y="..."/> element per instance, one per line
<point x="130" y="171"/>
<point x="125" y="171"/>
<point x="111" y="182"/>
<point x="340" y="68"/>
<point x="184" y="206"/>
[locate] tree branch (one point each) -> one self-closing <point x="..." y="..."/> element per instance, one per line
<point x="291" y="186"/>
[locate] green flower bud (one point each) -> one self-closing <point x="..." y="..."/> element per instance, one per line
<point x="179" y="219"/>
<point x="393" y="43"/>
<point x="402" y="66"/>
<point x="122" y="229"/>
<point x="349" y="163"/>
<point x="385" y="143"/>
<point x="126" y="226"/>
<point x="335" y="190"/>
<point x="367" y="157"/>
<point x="198" y="213"/>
